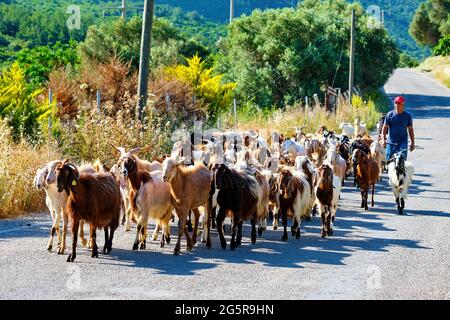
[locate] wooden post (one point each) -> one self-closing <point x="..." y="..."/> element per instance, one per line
<point x="98" y="101"/>
<point x="352" y="58"/>
<point x="144" y="58"/>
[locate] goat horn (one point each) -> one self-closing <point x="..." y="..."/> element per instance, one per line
<point x="134" y="150"/>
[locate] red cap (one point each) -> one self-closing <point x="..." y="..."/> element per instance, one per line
<point x="399" y="99"/>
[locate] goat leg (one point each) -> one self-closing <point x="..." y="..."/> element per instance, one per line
<point x="220" y="219"/>
<point x="111" y="236"/>
<point x="373" y="192"/>
<point x="284" y="220"/>
<point x="182" y="216"/>
<point x="93" y="238"/>
<point x="253" y="221"/>
<point x="62" y="247"/>
<point x="105" y="247"/>
<point x="75" y="226"/>
<point x="197" y="218"/>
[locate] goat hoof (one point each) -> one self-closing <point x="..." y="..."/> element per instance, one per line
<point x="260" y="231"/>
<point x="223" y="243"/>
<point x="284" y="237"/>
<point x="71" y="257"/>
<point x="49" y="248"/>
<point x="176" y="251"/>
<point x="168" y="239"/>
<point x="142" y="247"/>
<point x="330" y="232"/>
<point x="275" y="227"/>
<point x="323" y="234"/>
<point x="135" y="246"/>
<point x="162" y="243"/>
<point x="297" y="235"/>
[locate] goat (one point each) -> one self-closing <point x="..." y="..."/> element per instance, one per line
<point x="304" y="165"/>
<point x="294" y="197"/>
<point x="316" y="151"/>
<point x="361" y="145"/>
<point x="94" y="198"/>
<point x="238" y="193"/>
<point x="189" y="188"/>
<point x="347" y="129"/>
<point x="338" y="163"/>
<point x="367" y="172"/>
<point x="56" y="202"/>
<point x="150" y="198"/>
<point x="274" y="197"/>
<point x="376" y="152"/>
<point x="360" y="129"/>
<point x="124" y="187"/>
<point x="324" y="198"/>
<point x="400" y="177"/>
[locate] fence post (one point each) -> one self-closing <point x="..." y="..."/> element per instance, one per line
<point x="50" y="102"/>
<point x="235" y="114"/>
<point x="306" y="102"/>
<point x="167" y="102"/>
<point x="98" y="101"/>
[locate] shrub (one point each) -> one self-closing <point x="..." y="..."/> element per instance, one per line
<point x="213" y="96"/>
<point x="18" y="103"/>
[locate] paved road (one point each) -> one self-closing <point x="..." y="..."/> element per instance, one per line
<point x="373" y="255"/>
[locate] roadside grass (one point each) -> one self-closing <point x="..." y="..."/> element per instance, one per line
<point x="439" y="67"/>
<point x="18" y="165"/>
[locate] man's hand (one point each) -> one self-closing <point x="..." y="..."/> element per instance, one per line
<point x="412" y="147"/>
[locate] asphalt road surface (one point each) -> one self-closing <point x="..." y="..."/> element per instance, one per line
<point x="372" y="255"/>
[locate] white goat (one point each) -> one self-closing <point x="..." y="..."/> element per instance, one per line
<point x="347" y="129"/>
<point x="400" y="177"/>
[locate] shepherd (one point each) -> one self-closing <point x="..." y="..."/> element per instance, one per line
<point x="398" y="123"/>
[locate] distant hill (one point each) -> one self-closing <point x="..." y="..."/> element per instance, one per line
<point x="398" y="15"/>
<point x="204" y="19"/>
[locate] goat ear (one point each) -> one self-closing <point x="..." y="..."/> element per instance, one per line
<point x="120" y="149"/>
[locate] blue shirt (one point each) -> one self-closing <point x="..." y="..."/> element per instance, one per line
<point x="398" y="124"/>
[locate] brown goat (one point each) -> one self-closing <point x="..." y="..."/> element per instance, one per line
<point x="324" y="198"/>
<point x="367" y="172"/>
<point x="94" y="198"/>
<point x="189" y="188"/>
<point x="295" y="199"/>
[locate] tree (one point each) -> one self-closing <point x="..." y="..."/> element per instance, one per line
<point x="122" y="39"/>
<point x="277" y="57"/>
<point x="431" y="22"/>
<point x="38" y="62"/>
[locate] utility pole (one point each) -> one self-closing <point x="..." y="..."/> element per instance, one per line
<point x="147" y="24"/>
<point x="124" y="9"/>
<point x="231" y="10"/>
<point x="352" y="59"/>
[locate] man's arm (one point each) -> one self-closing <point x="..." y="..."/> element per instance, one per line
<point x="384" y="132"/>
<point x="411" y="136"/>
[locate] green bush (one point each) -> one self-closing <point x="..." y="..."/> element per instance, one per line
<point x="443" y="47"/>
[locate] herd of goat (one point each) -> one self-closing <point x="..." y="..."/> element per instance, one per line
<point x="239" y="175"/>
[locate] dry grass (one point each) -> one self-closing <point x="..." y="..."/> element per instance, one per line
<point x="439" y="67"/>
<point x="18" y="165"/>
